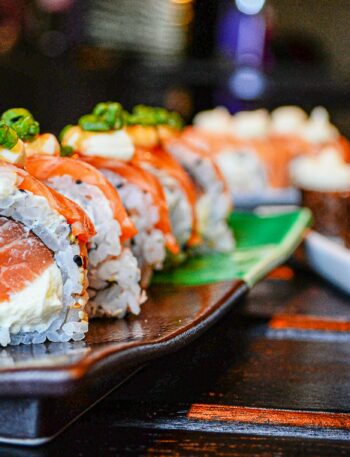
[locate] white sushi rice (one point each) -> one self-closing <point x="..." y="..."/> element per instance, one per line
<point x="244" y="172"/>
<point x="114" y="275"/>
<point x="180" y="211"/>
<point x="37" y="216"/>
<point x="149" y="244"/>
<point x="214" y="205"/>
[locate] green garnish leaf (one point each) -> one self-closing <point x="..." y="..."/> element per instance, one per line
<point x="92" y="123"/>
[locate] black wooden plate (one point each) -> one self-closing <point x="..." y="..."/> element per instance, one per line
<point x="45" y="387"/>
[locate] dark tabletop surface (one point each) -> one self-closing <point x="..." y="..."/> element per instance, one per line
<point x="272" y="378"/>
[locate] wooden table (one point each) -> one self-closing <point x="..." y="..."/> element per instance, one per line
<point x="270" y="379"/>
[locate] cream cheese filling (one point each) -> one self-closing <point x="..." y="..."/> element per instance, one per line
<point x="247" y="125"/>
<point x="34" y="307"/>
<point x="115" y="144"/>
<point x="45" y="143"/>
<point x="15" y="155"/>
<point x="288" y="120"/>
<point x="217" y="120"/>
<point x="324" y="172"/>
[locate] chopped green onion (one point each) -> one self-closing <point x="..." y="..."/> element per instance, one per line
<point x="92" y="123"/>
<point x="66" y="151"/>
<point x="111" y="116"/>
<point x="175" y="120"/>
<point x="22" y="121"/>
<point x="64" y="131"/>
<point x="8" y="136"/>
<point x="105" y="116"/>
<point x="152" y="116"/>
<point x="26" y="128"/>
<point x="15" y="114"/>
<point x="110" y="112"/>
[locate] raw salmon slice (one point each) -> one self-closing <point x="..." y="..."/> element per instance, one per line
<point x="23" y="257"/>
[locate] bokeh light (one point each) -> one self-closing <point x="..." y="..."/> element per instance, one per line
<point x="250" y="6"/>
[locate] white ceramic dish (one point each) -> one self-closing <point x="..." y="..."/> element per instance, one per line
<point x="329" y="258"/>
<point x="268" y="197"/>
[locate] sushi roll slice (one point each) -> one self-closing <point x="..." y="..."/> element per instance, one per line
<point x="181" y="193"/>
<point x="145" y="202"/>
<point x="254" y="149"/>
<point x="102" y="138"/>
<point x="114" y="274"/>
<point x="213" y="201"/>
<point x="242" y="149"/>
<point x="320" y="133"/>
<point x="235" y="150"/>
<point x="43" y="280"/>
<point x="292" y="125"/>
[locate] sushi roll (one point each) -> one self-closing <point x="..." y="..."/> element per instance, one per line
<point x="324" y="182"/>
<point x="125" y="155"/>
<point x="43" y="261"/>
<point x="113" y="273"/>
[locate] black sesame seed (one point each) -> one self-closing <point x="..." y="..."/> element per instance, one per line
<point x="22" y="190"/>
<point x="120" y="185"/>
<point x="77" y="260"/>
<point x="78" y="181"/>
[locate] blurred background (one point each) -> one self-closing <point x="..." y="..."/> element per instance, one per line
<point x="60" y="57"/>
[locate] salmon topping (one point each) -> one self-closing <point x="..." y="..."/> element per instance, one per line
<point x="82" y="227"/>
<point x="46" y="167"/>
<point x="159" y="159"/>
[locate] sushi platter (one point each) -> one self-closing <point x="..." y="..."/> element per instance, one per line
<point x="120" y="242"/>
